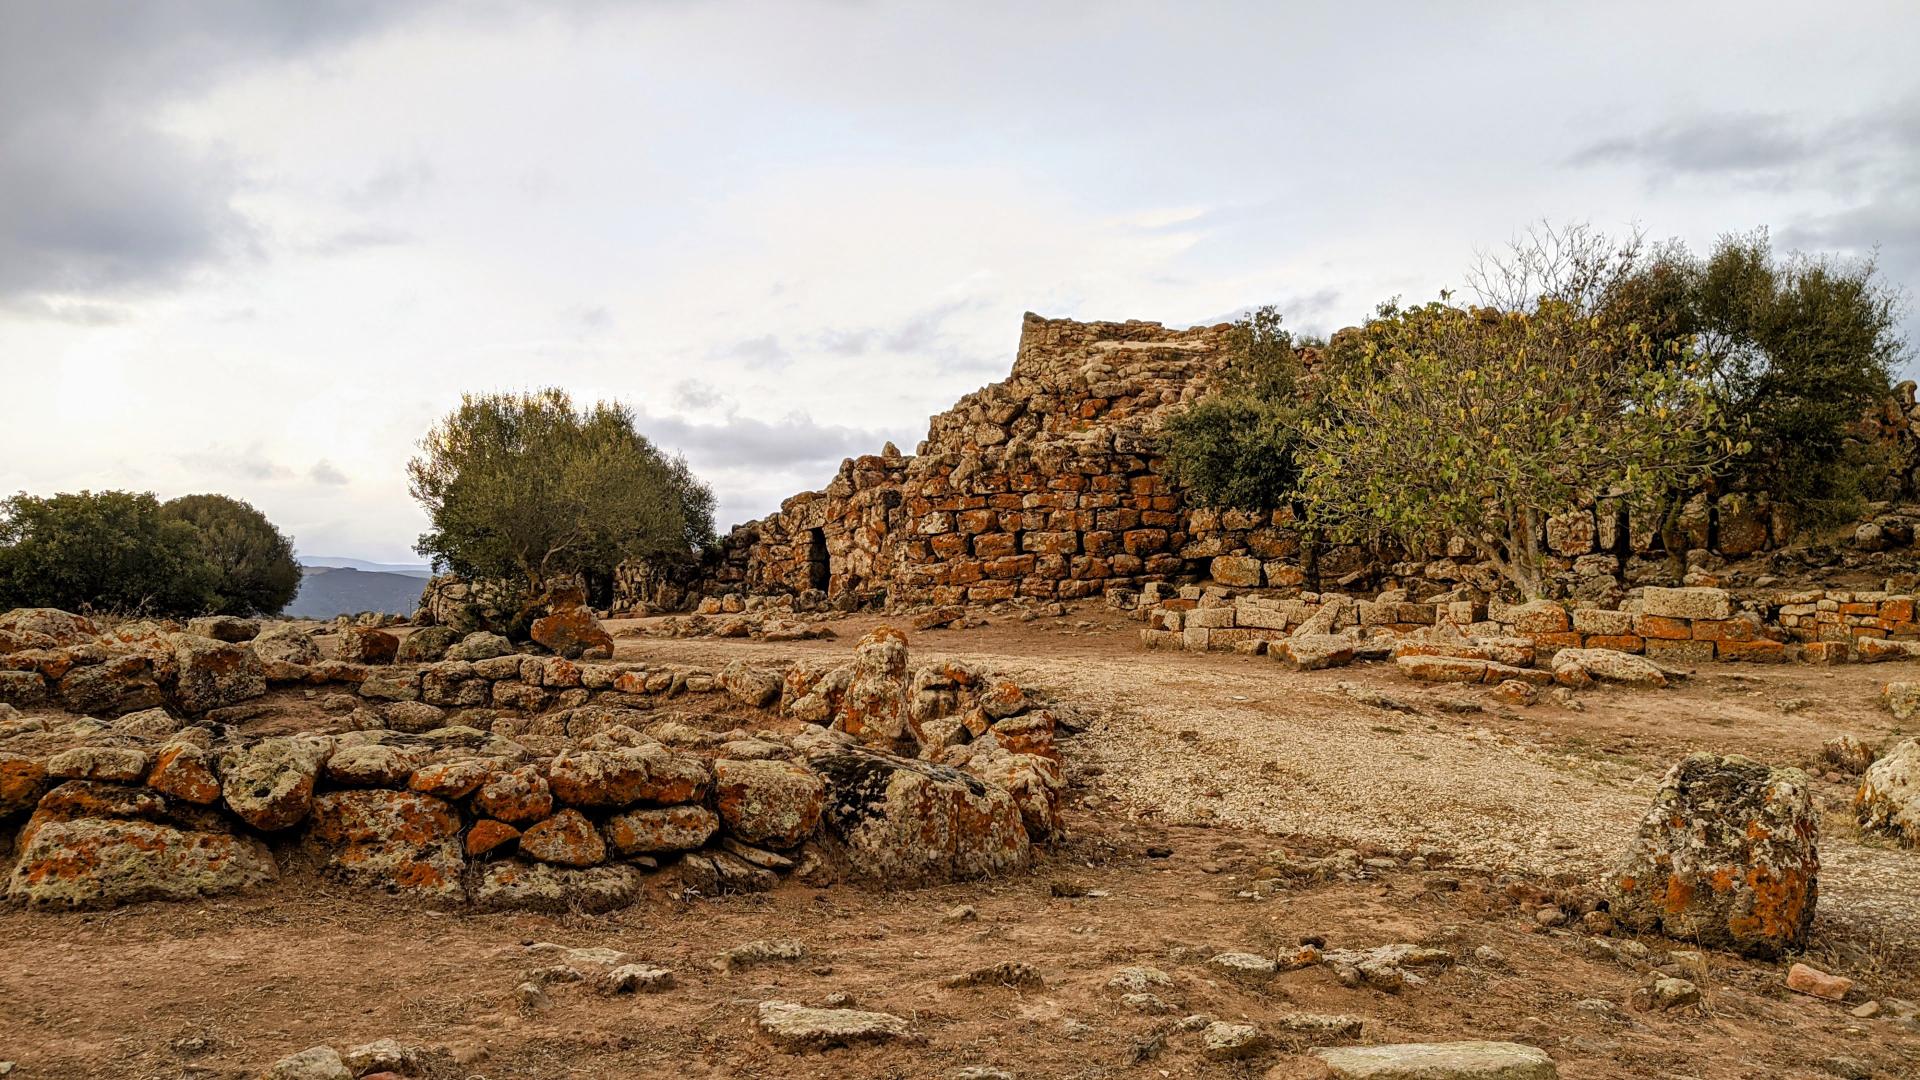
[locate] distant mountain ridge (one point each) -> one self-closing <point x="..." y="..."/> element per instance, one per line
<point x="421" y="570"/>
<point x="326" y="591"/>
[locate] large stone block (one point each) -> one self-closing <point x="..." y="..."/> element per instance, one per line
<point x="1726" y="857"/>
<point x="1688" y="603"/>
<point x="905" y="822"/>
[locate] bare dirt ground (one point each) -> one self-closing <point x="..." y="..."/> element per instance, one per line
<point x="1220" y="759"/>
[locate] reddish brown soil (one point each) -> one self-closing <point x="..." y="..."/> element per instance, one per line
<point x="222" y="989"/>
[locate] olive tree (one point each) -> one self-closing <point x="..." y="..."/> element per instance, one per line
<point x="1473" y="422"/>
<point x="527" y="487"/>
<point x="113" y="551"/>
<point x="251" y="562"/>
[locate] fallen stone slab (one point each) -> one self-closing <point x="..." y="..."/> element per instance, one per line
<point x="797" y="1028"/>
<point x="1439" y="1061"/>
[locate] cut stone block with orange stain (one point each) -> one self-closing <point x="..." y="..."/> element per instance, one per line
<point x="1726" y="858"/>
<point x="1658" y="626"/>
<point x="185" y="771"/>
<point x="775" y="803"/>
<point x="396" y="841"/>
<point x="488" y="835"/>
<point x="1758" y="652"/>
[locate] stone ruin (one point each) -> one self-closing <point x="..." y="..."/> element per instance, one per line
<point x="498" y="779"/>
<point x="1050" y="485"/>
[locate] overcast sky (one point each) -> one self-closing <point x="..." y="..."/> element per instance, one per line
<point x="258" y="248"/>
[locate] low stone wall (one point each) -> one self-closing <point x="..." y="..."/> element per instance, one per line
<point x="1683" y="625"/>
<point x="514" y="780"/>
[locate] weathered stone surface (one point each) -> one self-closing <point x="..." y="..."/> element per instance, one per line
<point x="413" y="717"/>
<point x="214" y="674"/>
<point x="427" y="645"/>
<point x="148" y="724"/>
<point x="1816" y="983"/>
<point x="314" y="1063"/>
<point x="1690" y="603"/>
<point x="573" y="633"/>
<point x="101" y="862"/>
<point x="618" y="778"/>
<point x="565" y="839"/>
<point x="1903" y="699"/>
<point x="185" y="771"/>
<point x="769" y="802"/>
<point x="23" y="688"/>
<point x="797" y="1028"/>
<point x="224" y="628"/>
<point x="905" y="822"/>
<point x="400" y="841"/>
<point x="1726" y="858"/>
<point x="519" y="796"/>
<point x="1314" y="652"/>
<point x="287" y="644"/>
<point x="22" y="781"/>
<point x="1888" y="799"/>
<point x="392" y="684"/>
<point x="1439" y="1061"/>
<point x="488" y="835"/>
<point x="1235" y="570"/>
<point x="1581" y="667"/>
<point x="752" y="686"/>
<point x="877" y="706"/>
<point x="480" y="645"/>
<point x="452" y="779"/>
<point x="120" y="684"/>
<point x="366" y="645"/>
<point x="1223" y="1041"/>
<point x="269" y="785"/>
<point x="372" y="765"/>
<point x="662" y="829"/>
<point x="518" y="885"/>
<point x="119" y="763"/>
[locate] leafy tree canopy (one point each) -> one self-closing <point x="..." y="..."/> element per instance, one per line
<point x="102" y="551"/>
<point x="252" y="563"/>
<point x="527" y="486"/>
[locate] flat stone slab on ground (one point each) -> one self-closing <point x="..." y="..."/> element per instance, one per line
<point x="1440" y="1061"/>
<point x="795" y="1028"/>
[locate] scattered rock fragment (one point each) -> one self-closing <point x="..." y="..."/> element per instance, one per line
<point x="797" y="1028"/>
<point x="1439" y="1061"/>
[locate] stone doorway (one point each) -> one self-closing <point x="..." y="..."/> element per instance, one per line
<point x="819" y="565"/>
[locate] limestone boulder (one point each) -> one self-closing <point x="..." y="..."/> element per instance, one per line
<point x="23" y="689"/>
<point x="120" y="684"/>
<point x="94" y="862"/>
<point x="212" y="674"/>
<point x="1314" y="652"/>
<point x="520" y="885"/>
<point x="186" y="771"/>
<point x="230" y="628"/>
<point x="518" y="796"/>
<point x="401" y="842"/>
<point x="565" y="839"/>
<point x="286" y="643"/>
<point x="613" y="779"/>
<point x="367" y="645"/>
<point x="1888" y="799"/>
<point x="876" y="708"/>
<point x="22" y="781"/>
<point x="1727" y="857"/>
<point x="480" y="645"/>
<point x="799" y="1028"/>
<point x="427" y="645"/>
<point x="752" y="686"/>
<point x="656" y="830"/>
<point x="44" y="628"/>
<point x="905" y="822"/>
<point x="1688" y="603"/>
<point x="269" y="785"/>
<point x="1583" y="667"/>
<point x="573" y="633"/>
<point x="775" y="803"/>
<point x="1477" y="1060"/>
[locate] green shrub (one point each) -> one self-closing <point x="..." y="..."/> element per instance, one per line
<point x="1235" y="448"/>
<point x="114" y="551"/>
<point x="253" y="569"/>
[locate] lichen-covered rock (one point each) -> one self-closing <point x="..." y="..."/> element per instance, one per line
<point x="118" y="685"/>
<point x="224" y="628"/>
<point x="313" y="1063"/>
<point x="124" y="764"/>
<point x="372" y="765"/>
<point x="572" y="633"/>
<point x="1888" y="800"/>
<point x="797" y="1028"/>
<point x="1847" y="753"/>
<point x="488" y="835"/>
<point x="565" y="839"/>
<point x="22" y="781"/>
<point x="287" y="644"/>
<point x="756" y="687"/>
<point x="518" y="885"/>
<point x="185" y="770"/>
<point x="1439" y="1061"/>
<point x="413" y="717"/>
<point x="22" y="688"/>
<point x="612" y="779"/>
<point x="269" y="785"/>
<point x="392" y="685"/>
<point x="661" y="829"/>
<point x="1315" y="652"/>
<point x="1726" y="858"/>
<point x="453" y="684"/>
<point x="452" y="779"/>
<point x="366" y="645"/>
<point x="1688" y="603"/>
<point x="876" y="708"/>
<point x="427" y="645"/>
<point x="1582" y="667"/>
<point x="148" y="724"/>
<point x="100" y="862"/>
<point x="214" y="674"/>
<point x="518" y="796"/>
<point x="905" y="822"/>
<point x="480" y="645"/>
<point x="776" y="803"/>
<point x="400" y="841"/>
<point x="43" y="628"/>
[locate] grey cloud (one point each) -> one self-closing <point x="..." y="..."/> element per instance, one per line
<point x="764" y="351"/>
<point x="1726" y="142"/>
<point x="364" y="238"/>
<point x="694" y="394"/>
<point x="392" y="183"/>
<point x="246" y="464"/>
<point x="740" y="441"/>
<point x="325" y="472"/>
<point x="100" y="199"/>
